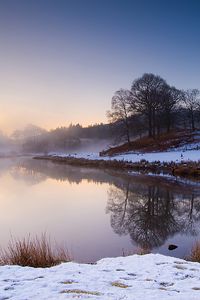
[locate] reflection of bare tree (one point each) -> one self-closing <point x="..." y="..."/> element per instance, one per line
<point x="190" y="212"/>
<point x="150" y="214"/>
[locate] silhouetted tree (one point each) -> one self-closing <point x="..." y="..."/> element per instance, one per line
<point x="147" y="95"/>
<point x="120" y="110"/>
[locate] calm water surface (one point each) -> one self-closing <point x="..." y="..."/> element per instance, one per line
<point x="96" y="213"/>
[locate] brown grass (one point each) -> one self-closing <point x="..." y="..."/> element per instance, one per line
<point x="195" y="253"/>
<point x="187" y="169"/>
<point x="119" y="284"/>
<point x="138" y="251"/>
<point x="190" y="170"/>
<point x="33" y="252"/>
<point x="147" y="144"/>
<point x="77" y="291"/>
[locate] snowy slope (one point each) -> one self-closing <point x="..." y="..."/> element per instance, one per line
<point x="136" y="277"/>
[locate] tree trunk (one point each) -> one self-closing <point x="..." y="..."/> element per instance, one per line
<point x="168" y="121"/>
<point x="192" y="120"/>
<point x="154" y="123"/>
<point x="127" y="132"/>
<point x="150" y="123"/>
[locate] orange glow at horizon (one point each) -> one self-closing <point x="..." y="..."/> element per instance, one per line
<point x="8" y="124"/>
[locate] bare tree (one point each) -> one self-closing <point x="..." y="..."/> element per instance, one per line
<point x="192" y="101"/>
<point x="147" y="93"/>
<point x="120" y="110"/>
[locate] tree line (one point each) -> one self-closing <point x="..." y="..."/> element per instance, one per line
<point x="35" y="139"/>
<point x="153" y="106"/>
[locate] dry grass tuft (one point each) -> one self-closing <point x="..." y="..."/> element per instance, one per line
<point x="68" y="282"/>
<point x="77" y="291"/>
<point x="33" y="252"/>
<point x="195" y="253"/>
<point x="138" y="251"/>
<point x="119" y="284"/>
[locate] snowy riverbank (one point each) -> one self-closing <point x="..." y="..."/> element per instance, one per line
<point x="150" y="276"/>
<point x="177" y="156"/>
<point x="173" y="163"/>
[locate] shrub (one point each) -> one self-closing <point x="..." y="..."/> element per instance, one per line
<point x="138" y="251"/>
<point x="195" y="253"/>
<point x="33" y="252"/>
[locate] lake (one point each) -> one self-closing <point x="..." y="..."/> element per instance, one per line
<point x="97" y="213"/>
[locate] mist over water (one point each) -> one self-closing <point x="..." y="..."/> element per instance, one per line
<point x="91" y="145"/>
<point x="74" y="139"/>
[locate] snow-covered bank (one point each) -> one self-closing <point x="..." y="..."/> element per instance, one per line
<point x="176" y="156"/>
<point x="150" y="276"/>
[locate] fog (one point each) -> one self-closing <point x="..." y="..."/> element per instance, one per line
<point x="8" y="147"/>
<point x="74" y="139"/>
<point x="91" y="145"/>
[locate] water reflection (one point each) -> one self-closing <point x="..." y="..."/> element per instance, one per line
<point x="42" y="170"/>
<point x="147" y="210"/>
<point x="150" y="213"/>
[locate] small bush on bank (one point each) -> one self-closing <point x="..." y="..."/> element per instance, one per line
<point x="138" y="251"/>
<point x="195" y="253"/>
<point x="33" y="252"/>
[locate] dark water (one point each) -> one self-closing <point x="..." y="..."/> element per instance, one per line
<point x="97" y="213"/>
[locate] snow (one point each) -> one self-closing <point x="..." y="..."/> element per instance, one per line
<point x="176" y="156"/>
<point x="185" y="152"/>
<point x="151" y="276"/>
<point x="168" y="156"/>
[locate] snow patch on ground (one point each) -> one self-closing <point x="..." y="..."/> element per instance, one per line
<point x="151" y="276"/>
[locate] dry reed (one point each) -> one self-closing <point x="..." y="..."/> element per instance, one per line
<point x="34" y="252"/>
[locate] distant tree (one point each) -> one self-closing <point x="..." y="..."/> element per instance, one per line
<point x="192" y="102"/>
<point x="74" y="130"/>
<point x="147" y="95"/>
<point x="120" y="110"/>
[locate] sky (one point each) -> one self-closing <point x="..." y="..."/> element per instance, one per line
<point x="62" y="60"/>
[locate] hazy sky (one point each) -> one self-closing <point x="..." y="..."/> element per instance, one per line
<point x="62" y="60"/>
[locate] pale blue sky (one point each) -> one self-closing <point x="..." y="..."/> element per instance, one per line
<point x="62" y="60"/>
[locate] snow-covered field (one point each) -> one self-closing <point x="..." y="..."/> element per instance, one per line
<point x="176" y="156"/>
<point x="136" y="277"/>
